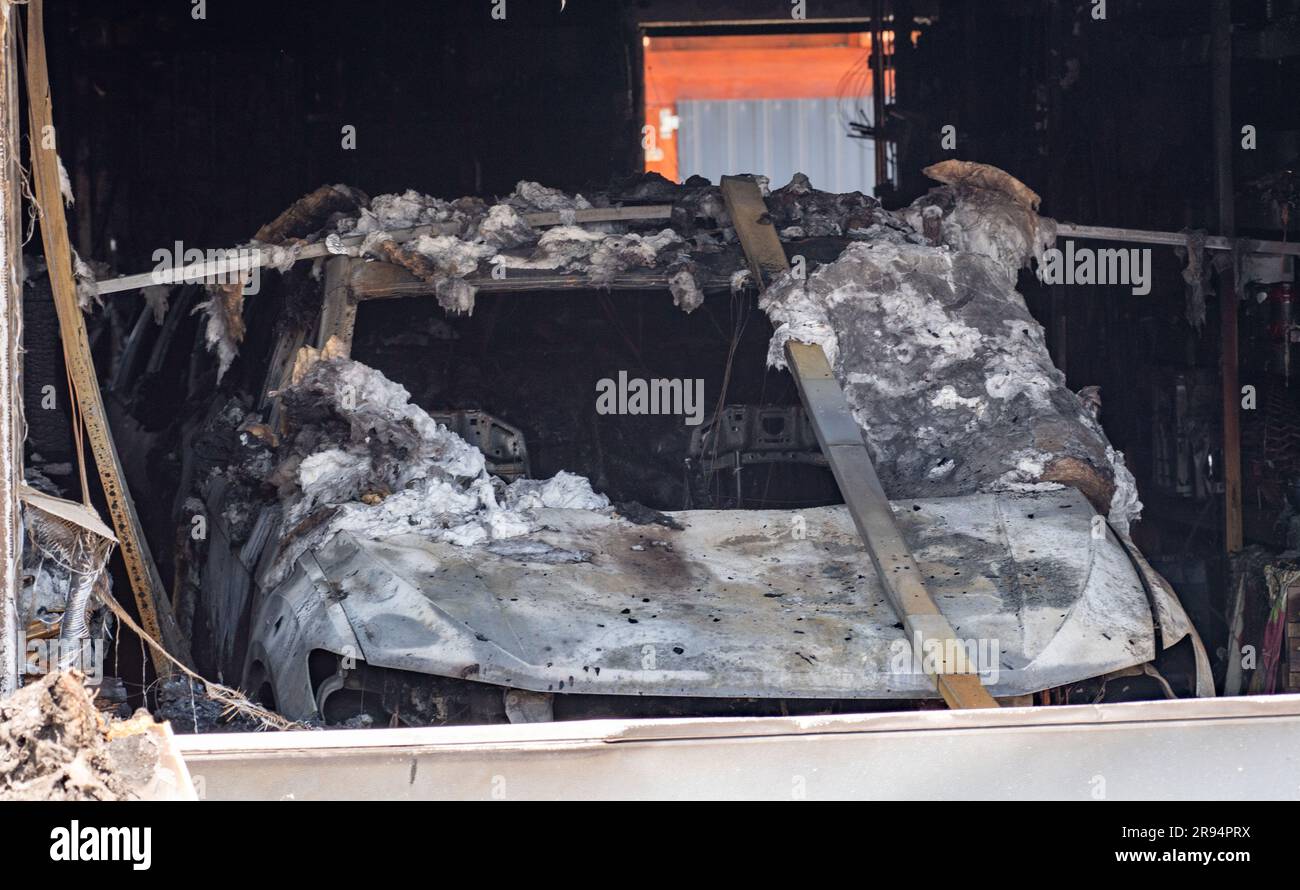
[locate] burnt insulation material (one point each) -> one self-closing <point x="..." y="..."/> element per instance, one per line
<point x="946" y="371"/>
<point x="361" y="457"/>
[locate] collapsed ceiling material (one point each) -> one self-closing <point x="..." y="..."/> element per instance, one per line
<point x="359" y="456"/>
<point x="945" y="368"/>
<point x="454" y="245"/>
<point x="946" y="371"/>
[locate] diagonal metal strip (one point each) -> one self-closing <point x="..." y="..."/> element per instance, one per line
<point x="841" y="441"/>
<point x="155" y="609"/>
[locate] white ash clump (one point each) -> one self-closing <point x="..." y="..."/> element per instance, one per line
<point x="603" y="254"/>
<point x="619" y="253"/>
<point x="85" y="277"/>
<point x="156" y="297"/>
<point x="946" y="371"/>
<point x="504" y="227"/>
<point x="451" y="256"/>
<point x="1125" y="507"/>
<point x="364" y="459"/>
<point x="685" y="289"/>
<point x="561" y="248"/>
<point x="410" y="209"/>
<point x="444" y="256"/>
<point x="985" y="223"/>
<point x="224" y="331"/>
<point x="532" y="196"/>
<point x="563" y="491"/>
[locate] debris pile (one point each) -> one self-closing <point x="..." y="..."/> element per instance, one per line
<point x="946" y="371"/>
<point x="189" y="707"/>
<point x="66" y="550"/>
<point x="474" y="233"/>
<point x="451" y="244"/>
<point x="54" y="745"/>
<point x="361" y="457"/>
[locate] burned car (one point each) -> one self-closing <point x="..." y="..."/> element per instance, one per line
<point x="421" y="511"/>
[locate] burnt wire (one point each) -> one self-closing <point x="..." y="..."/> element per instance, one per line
<point x="739" y="320"/>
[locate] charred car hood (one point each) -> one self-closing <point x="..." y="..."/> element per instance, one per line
<point x="738" y="603"/>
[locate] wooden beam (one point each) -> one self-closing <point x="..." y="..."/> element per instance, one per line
<point x="151" y="601"/>
<point x="635" y="213"/>
<point x="1229" y="375"/>
<point x="754" y="228"/>
<point x="381" y="281"/>
<point x="841" y="442"/>
<point x="338" y="316"/>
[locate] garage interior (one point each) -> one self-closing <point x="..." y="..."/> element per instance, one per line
<point x="874" y="135"/>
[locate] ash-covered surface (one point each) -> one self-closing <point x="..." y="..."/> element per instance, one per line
<point x="54" y="745"/>
<point x="186" y="705"/>
<point x="360" y="456"/>
<point x="459" y="239"/>
<point x="946" y="371"/>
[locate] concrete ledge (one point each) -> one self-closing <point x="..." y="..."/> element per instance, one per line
<point x="1235" y="748"/>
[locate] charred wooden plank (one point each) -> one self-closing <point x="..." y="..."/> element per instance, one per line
<point x="841" y="442"/>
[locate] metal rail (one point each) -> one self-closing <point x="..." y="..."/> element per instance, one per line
<point x="237" y="260"/>
<point x="1175" y="239"/>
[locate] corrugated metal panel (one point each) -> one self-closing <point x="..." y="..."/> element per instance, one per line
<point x="776" y="138"/>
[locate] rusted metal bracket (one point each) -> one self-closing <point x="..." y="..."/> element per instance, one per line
<point x="841" y="441"/>
<point x="154" y="608"/>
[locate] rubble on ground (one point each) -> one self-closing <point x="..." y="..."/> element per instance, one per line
<point x="54" y="745"/>
<point x="186" y="705"/>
